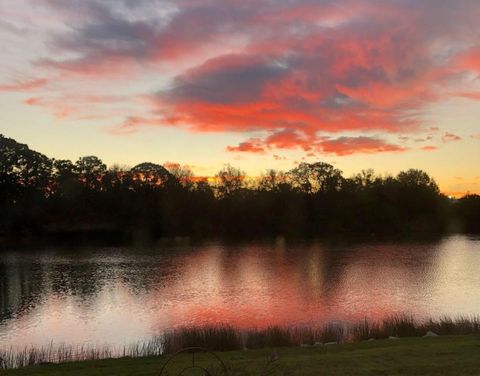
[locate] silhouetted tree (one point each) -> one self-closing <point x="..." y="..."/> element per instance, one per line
<point x="182" y="174"/>
<point x="467" y="212"/>
<point x="25" y="183"/>
<point x="316" y="177"/>
<point x="90" y="170"/>
<point x="417" y="179"/>
<point x="65" y="177"/>
<point x="150" y="174"/>
<point x="229" y="180"/>
<point x="22" y="167"/>
<point x="273" y="180"/>
<point x="365" y="179"/>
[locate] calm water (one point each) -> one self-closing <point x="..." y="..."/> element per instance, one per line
<point x="121" y="295"/>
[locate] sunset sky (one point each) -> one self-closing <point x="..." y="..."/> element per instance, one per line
<point x="360" y="84"/>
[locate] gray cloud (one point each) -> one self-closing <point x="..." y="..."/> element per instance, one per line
<point x="228" y="79"/>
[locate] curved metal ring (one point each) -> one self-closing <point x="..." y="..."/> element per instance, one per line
<point x="194" y="350"/>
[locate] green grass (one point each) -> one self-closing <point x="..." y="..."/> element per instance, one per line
<point x="448" y="355"/>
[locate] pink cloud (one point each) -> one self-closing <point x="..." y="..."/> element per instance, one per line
<point x="470" y="95"/>
<point x="95" y="67"/>
<point x="78" y="106"/>
<point x="470" y="59"/>
<point x="33" y="101"/>
<point x="24" y="85"/>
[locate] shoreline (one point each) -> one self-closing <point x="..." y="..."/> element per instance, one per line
<point x="449" y="355"/>
<point x="76" y="238"/>
<point x="221" y="338"/>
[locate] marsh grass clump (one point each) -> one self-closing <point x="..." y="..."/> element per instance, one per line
<point x="364" y="330"/>
<point x="453" y="326"/>
<point x="214" y="338"/>
<point x="30" y="356"/>
<point x="152" y="347"/>
<point x="274" y="336"/>
<point x="305" y="335"/>
<point x="225" y="338"/>
<point x="401" y="326"/>
<point x="332" y="332"/>
<point x="394" y="326"/>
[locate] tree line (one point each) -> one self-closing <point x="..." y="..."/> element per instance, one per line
<point x="41" y="195"/>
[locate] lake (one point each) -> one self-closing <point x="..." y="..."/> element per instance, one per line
<point x="119" y="295"/>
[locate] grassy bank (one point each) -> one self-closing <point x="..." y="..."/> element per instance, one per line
<point x="228" y="338"/>
<point x="448" y="355"/>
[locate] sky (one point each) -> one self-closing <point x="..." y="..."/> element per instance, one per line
<point x="258" y="84"/>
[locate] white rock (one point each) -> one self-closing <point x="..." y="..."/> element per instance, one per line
<point x="304" y="345"/>
<point x="318" y="344"/>
<point x="330" y="343"/>
<point x="392" y="337"/>
<point x="431" y="334"/>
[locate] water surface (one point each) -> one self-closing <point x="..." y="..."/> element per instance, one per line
<point x="115" y="295"/>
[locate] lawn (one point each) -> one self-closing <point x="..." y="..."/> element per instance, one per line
<point x="449" y="355"/>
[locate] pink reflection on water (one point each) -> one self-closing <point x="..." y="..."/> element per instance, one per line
<point x="123" y="296"/>
<point x="271" y="286"/>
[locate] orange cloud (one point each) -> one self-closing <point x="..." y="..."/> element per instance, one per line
<point x="251" y="146"/>
<point x="340" y="146"/>
<point x="352" y="145"/>
<point x="287" y="139"/>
